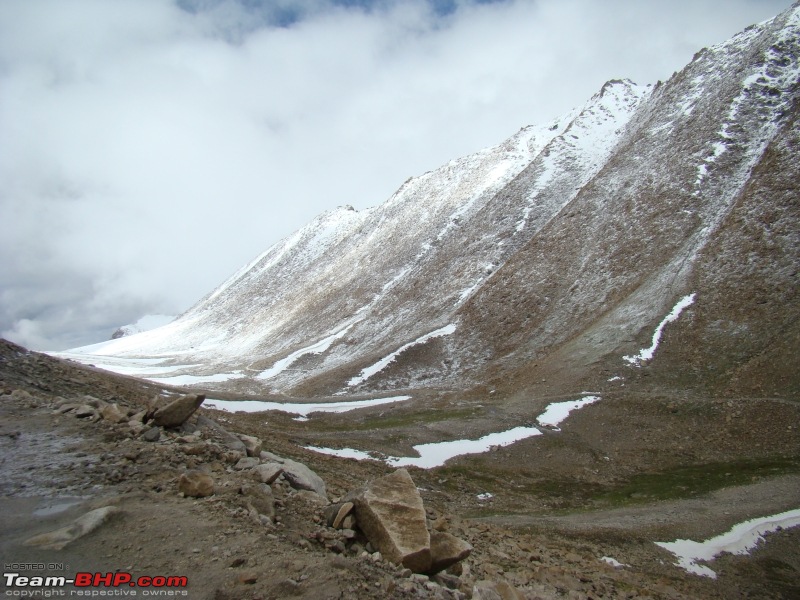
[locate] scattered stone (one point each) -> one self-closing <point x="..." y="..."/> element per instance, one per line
<point x="112" y="413"/>
<point x="247" y="462"/>
<point x="260" y="498"/>
<point x="268" y="472"/>
<point x="226" y="438"/>
<point x="196" y="484"/>
<point x="447" y="550"/>
<point x="391" y="514"/>
<point x="151" y="435"/>
<point x="58" y="539"/>
<point x="310" y="497"/>
<point x="252" y="445"/>
<point x="177" y="411"/>
<point x="300" y="477"/>
<point x="492" y="590"/>
<point x="85" y="411"/>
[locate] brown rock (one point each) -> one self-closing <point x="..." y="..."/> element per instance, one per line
<point x="447" y="550"/>
<point x="260" y="498"/>
<point x="252" y="445"/>
<point x="343" y="511"/>
<point x="112" y="413"/>
<point x="177" y="411"/>
<point x="390" y="513"/>
<point x="268" y="472"/>
<point x="196" y="484"/>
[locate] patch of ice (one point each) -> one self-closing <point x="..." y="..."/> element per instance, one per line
<point x="647" y="353"/>
<point x="556" y="412"/>
<point x="740" y="539"/>
<point x="387" y="360"/>
<point x="485" y="496"/>
<point x="296" y="408"/>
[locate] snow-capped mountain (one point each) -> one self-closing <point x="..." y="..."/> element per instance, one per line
<point x="540" y="263"/>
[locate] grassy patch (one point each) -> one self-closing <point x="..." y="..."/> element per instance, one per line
<point x="694" y="480"/>
<point x="396" y="420"/>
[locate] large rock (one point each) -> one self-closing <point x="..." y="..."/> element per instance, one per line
<point x="447" y="550"/>
<point x="299" y="476"/>
<point x="390" y="513"/>
<point x="177" y="411"/>
<point x="226" y="438"/>
<point x="268" y="472"/>
<point x="196" y="484"/>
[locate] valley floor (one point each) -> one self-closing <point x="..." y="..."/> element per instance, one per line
<point x="548" y="533"/>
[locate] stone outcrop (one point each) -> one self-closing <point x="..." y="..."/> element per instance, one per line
<point x="391" y="514"/>
<point x="176" y="412"/>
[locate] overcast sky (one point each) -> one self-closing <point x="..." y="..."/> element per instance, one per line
<point x="149" y="148"/>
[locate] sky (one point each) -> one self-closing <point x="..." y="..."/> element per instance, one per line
<point x="150" y="148"/>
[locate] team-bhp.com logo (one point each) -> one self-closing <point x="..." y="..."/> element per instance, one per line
<point x="155" y="585"/>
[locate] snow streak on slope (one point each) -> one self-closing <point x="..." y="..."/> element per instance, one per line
<point x="647" y="354"/>
<point x="387" y="360"/>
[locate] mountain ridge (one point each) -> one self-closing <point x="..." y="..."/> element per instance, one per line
<point x="551" y="255"/>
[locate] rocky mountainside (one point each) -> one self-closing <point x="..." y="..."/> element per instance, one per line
<point x="535" y="266"/>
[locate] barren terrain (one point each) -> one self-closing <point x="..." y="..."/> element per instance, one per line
<point x="609" y="484"/>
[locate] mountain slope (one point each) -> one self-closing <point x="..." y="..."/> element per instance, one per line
<point x="536" y="265"/>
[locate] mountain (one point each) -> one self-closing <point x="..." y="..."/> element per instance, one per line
<point x="657" y="223"/>
<point x="146" y="323"/>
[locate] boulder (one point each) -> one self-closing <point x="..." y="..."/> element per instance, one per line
<point x="259" y="498"/>
<point x="252" y="445"/>
<point x="196" y="484"/>
<point x="268" y="472"/>
<point x="300" y="477"/>
<point x="177" y="411"/>
<point x="390" y="512"/>
<point x="227" y="439"/>
<point x="447" y="550"/>
<point x="113" y="413"/>
<point x="246" y="462"/>
<point x="151" y="435"/>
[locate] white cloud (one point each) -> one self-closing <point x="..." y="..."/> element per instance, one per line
<point x="149" y="151"/>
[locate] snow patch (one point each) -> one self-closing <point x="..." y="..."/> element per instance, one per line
<point x="740" y="539"/>
<point x="437" y="453"/>
<point x="646" y="354"/>
<point x="387" y="360"/>
<point x="613" y="562"/>
<point x="296" y="408"/>
<point x="556" y="412"/>
<point x="317" y="348"/>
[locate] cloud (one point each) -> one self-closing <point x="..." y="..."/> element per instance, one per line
<point x="150" y="148"/>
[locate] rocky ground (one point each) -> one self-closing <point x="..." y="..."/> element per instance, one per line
<point x="77" y="441"/>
